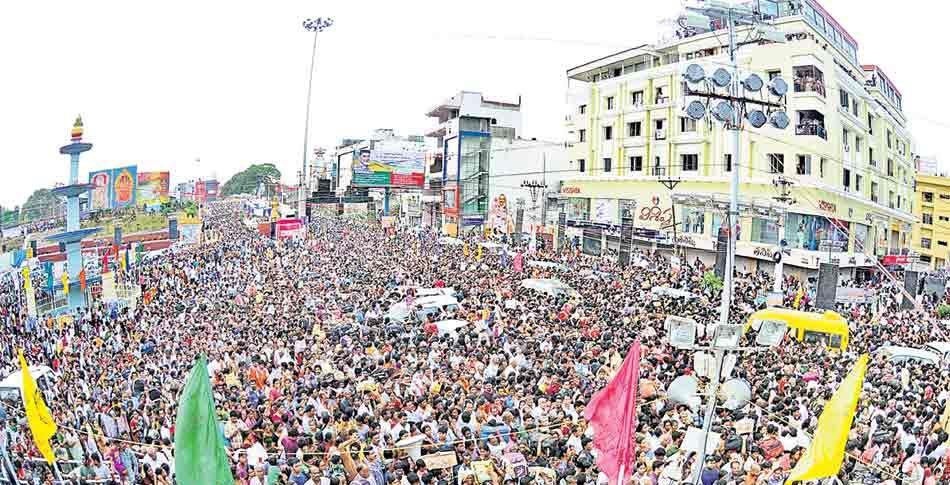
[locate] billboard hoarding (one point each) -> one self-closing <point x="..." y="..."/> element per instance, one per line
<point x="114" y="188"/>
<point x="152" y="188"/>
<point x="99" y="196"/>
<point x="124" y="184"/>
<point x="399" y="166"/>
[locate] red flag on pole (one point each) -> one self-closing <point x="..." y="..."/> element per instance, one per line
<point x="82" y="279"/>
<point x="105" y="262"/>
<point x="612" y="412"/>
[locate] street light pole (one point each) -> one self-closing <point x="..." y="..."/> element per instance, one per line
<point x="316" y="26"/>
<point x="733" y="219"/>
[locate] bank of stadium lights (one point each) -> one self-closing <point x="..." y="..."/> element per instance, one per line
<point x="754" y="101"/>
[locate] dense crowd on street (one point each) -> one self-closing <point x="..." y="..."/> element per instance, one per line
<point x="314" y="384"/>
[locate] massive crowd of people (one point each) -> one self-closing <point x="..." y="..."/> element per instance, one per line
<point x="314" y="383"/>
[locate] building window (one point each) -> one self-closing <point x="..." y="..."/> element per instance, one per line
<point x="635" y="128"/>
<point x="928" y="197"/>
<point x="846" y="180"/>
<point x="728" y="159"/>
<point x="610" y="103"/>
<point x="845" y="138"/>
<point x="658" y="129"/>
<point x="608" y="133"/>
<point x="636" y="163"/>
<point x="925" y="242"/>
<point x="690" y="162"/>
<point x="941" y="243"/>
<point x="803" y="167"/>
<point x="857" y="183"/>
<point x="607" y="165"/>
<point x="843" y="97"/>
<point x="890" y="167"/>
<point x="580" y="166"/>
<point x="773" y="74"/>
<point x="821" y="167"/>
<point x="687" y="125"/>
<point x="764" y="231"/>
<point x="890" y="199"/>
<point x="889" y="139"/>
<point x="804" y="231"/>
<point x="582" y="135"/>
<point x="636" y="98"/>
<point x="854" y="106"/>
<point x="694" y="220"/>
<point x="776" y="163"/>
<point x="874" y="191"/>
<point x="660" y="96"/>
<point x="927" y="218"/>
<point x="582" y="109"/>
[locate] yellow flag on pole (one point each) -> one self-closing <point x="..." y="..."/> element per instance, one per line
<point x="824" y="456"/>
<point x="37" y="414"/>
<point x="27" y="282"/>
<point x="65" y="279"/>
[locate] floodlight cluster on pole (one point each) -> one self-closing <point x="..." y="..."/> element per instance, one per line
<point x="754" y="101"/>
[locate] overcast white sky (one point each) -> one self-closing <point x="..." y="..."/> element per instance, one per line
<point x="161" y="84"/>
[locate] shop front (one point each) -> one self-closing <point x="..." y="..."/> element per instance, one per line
<point x="831" y="232"/>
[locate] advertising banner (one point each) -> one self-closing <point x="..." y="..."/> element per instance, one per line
<point x="99" y="196"/>
<point x="289" y="228"/>
<point x="152" y="188"/>
<point x="851" y="296"/>
<point x="390" y="166"/>
<point x="190" y="233"/>
<point x="124" y="184"/>
<point x="604" y="211"/>
<point x="114" y="188"/>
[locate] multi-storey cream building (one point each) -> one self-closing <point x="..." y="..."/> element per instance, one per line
<point x="932" y="232"/>
<point x="847" y="150"/>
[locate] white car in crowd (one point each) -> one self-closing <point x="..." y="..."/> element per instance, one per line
<point x="437" y="306"/>
<point x="941" y="348"/>
<point x="11" y="385"/>
<point x="897" y="354"/>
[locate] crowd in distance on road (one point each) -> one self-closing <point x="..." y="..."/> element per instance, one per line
<point x="313" y="384"/>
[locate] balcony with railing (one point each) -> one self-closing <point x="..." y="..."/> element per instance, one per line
<point x="811" y="123"/>
<point x="809" y="79"/>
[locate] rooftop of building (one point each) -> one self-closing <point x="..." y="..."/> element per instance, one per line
<point x="455" y="103"/>
<point x="933" y="180"/>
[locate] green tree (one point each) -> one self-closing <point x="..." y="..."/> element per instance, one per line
<point x="10" y="217"/>
<point x="41" y="204"/>
<point x="247" y="181"/>
<point x="712" y="282"/>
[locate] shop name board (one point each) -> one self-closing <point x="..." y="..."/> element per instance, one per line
<point x="657" y="214"/>
<point x="685" y="241"/>
<point x="827" y="206"/>
<point x="762" y="252"/>
<point x="571" y="190"/>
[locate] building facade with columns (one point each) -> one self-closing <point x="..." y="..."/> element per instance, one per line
<point x="847" y="151"/>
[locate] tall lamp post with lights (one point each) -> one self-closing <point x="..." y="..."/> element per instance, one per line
<point x="733" y="102"/>
<point x="316" y="26"/>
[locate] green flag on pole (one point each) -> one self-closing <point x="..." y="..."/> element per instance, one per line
<point x="200" y="456"/>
